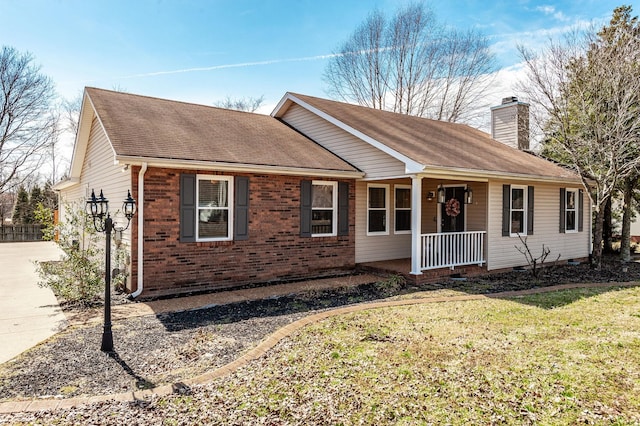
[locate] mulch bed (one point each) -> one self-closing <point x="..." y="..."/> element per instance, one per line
<point x="157" y="350"/>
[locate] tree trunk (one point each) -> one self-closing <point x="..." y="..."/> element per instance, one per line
<point x="596" y="258"/>
<point x="627" y="208"/>
<point x="607" y="228"/>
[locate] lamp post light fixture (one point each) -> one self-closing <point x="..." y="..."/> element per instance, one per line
<point x="98" y="208"/>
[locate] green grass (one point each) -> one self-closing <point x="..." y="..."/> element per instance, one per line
<point x="558" y="358"/>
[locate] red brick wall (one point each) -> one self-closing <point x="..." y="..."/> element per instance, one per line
<point x="274" y="251"/>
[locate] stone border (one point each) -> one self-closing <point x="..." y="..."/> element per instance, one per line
<point x="263" y="347"/>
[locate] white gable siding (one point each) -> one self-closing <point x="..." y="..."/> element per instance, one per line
<point x="379" y="247"/>
<point x="99" y="171"/>
<point x="372" y="161"/>
<point x="502" y="252"/>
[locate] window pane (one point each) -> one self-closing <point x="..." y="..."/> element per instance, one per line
<point x="212" y="193"/>
<point x="377" y="221"/>
<point x="571" y="221"/>
<point x="517" y="222"/>
<point x="517" y="198"/>
<point x="377" y="198"/>
<point x="403" y="198"/>
<point x="403" y="220"/>
<point x="322" y="196"/>
<point x="213" y="223"/>
<point x="322" y="222"/>
<point x="571" y="200"/>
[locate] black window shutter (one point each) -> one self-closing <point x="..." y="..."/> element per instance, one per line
<point x="187" y="207"/>
<point x="305" y="208"/>
<point x="530" y="210"/>
<point x="580" y="210"/>
<point x="241" y="209"/>
<point x="563" y="209"/>
<point x="506" y="210"/>
<point x="343" y="208"/>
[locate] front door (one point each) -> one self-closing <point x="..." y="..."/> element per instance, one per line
<point x="452" y="210"/>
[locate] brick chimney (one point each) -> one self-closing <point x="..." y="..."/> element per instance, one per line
<point x="510" y="123"/>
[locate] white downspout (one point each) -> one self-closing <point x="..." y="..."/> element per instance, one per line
<point x="140" y="206"/>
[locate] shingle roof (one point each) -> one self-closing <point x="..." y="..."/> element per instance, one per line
<point x="438" y="144"/>
<point x="146" y="127"/>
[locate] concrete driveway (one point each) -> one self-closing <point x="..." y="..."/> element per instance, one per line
<point x="28" y="314"/>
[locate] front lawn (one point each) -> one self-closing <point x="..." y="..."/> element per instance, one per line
<point x="557" y="358"/>
<point x="565" y="357"/>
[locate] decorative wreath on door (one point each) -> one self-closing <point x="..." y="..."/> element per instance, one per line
<point x="452" y="207"/>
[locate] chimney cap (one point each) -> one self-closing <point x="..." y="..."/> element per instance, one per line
<point x="509" y="100"/>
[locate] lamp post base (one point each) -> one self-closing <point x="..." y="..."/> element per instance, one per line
<point x="107" y="339"/>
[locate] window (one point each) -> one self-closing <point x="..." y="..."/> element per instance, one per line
<point x="324" y="199"/>
<point x="402" y="209"/>
<point x="518" y="210"/>
<point x="571" y="212"/>
<point x="324" y="208"/>
<point x="214" y="198"/>
<point x="571" y="219"/>
<point x="377" y="205"/>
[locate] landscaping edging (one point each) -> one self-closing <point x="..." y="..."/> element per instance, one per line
<point x="263" y="347"/>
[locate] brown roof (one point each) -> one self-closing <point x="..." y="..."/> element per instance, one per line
<point x="438" y="144"/>
<point x="141" y="126"/>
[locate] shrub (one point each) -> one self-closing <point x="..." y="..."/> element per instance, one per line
<point x="44" y="216"/>
<point x="78" y="276"/>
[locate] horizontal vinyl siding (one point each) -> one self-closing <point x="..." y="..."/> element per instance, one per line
<point x="99" y="171"/>
<point x="372" y="161"/>
<point x="429" y="220"/>
<point x="502" y="252"/>
<point x="477" y="212"/>
<point x="504" y="127"/>
<point x="379" y="247"/>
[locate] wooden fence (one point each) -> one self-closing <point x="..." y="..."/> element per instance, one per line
<point x="20" y="233"/>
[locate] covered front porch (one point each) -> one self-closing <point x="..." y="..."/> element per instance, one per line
<point x="423" y="227"/>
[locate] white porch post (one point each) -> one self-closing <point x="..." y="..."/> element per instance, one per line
<point x="416" y="225"/>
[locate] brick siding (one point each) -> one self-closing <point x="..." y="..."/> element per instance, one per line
<point x="274" y="252"/>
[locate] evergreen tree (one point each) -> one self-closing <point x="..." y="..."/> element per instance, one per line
<point x="35" y="198"/>
<point x="21" y="208"/>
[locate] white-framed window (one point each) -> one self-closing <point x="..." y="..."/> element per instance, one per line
<point x="214" y="198"/>
<point x="324" y="208"/>
<point x="571" y="210"/>
<point x="377" y="209"/>
<point x="402" y="209"/>
<point x="518" y="210"/>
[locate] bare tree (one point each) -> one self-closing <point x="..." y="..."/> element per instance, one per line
<point x="26" y="123"/>
<point x="358" y="72"/>
<point x="587" y="90"/>
<point x="71" y="113"/>
<point x="411" y="64"/>
<point x="241" y="104"/>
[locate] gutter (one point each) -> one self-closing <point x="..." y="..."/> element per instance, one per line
<point x="140" y="286"/>
<point x="238" y="167"/>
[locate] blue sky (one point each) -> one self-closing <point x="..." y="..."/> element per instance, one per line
<point x="203" y="51"/>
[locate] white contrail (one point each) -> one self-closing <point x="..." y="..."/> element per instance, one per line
<point x="240" y="65"/>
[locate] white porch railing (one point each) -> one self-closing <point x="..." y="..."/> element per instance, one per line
<point x="452" y="249"/>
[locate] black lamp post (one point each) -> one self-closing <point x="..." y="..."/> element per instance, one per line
<point x="98" y="208"/>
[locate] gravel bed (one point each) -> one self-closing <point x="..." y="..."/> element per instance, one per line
<point x="157" y="350"/>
